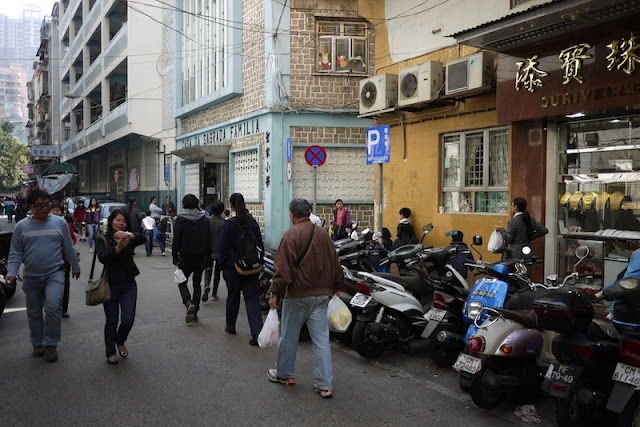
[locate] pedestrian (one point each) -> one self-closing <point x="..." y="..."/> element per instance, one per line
<point x="521" y="229"/>
<point x="341" y="221"/>
<point x="239" y="283"/>
<point x="464" y="254"/>
<point x="215" y="223"/>
<point x="56" y="209"/>
<point x="168" y="208"/>
<point x="204" y="210"/>
<point x="386" y="239"/>
<point x="191" y="249"/>
<point x="405" y="214"/>
<point x="115" y="252"/>
<point x="148" y="226"/>
<point x="78" y="219"/>
<point x="133" y="215"/>
<point x="92" y="219"/>
<point x="10" y="206"/>
<point x="156" y="211"/>
<point x="1" y="205"/>
<point x="38" y="243"/>
<point x="162" y="234"/>
<point x="227" y="214"/>
<point x="22" y="210"/>
<point x="308" y="273"/>
<point x="404" y="236"/>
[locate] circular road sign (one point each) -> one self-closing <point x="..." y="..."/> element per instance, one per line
<point x="315" y="156"/>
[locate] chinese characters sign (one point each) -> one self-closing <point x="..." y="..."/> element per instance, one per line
<point x="45" y="151"/>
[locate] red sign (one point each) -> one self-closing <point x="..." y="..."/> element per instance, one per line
<point x="315" y="156"/>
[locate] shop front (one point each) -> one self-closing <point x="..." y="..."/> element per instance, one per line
<point x="572" y="97"/>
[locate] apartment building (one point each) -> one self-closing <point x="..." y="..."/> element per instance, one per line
<point x="13" y="96"/>
<point x="116" y="110"/>
<point x="259" y="82"/>
<point x="19" y="39"/>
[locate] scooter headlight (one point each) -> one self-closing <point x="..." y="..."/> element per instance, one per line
<point x="475" y="308"/>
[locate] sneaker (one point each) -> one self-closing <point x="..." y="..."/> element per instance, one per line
<point x="38" y="351"/>
<point x="214" y="297"/>
<point x="273" y="376"/>
<point x="325" y="393"/>
<point x="229" y="331"/>
<point x="90" y="250"/>
<point x="205" y="295"/>
<point x="191" y="312"/>
<point x="65" y="315"/>
<point x="254" y="340"/>
<point x="163" y="254"/>
<point x="50" y="354"/>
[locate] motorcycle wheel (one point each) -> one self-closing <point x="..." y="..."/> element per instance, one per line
<point x="443" y="355"/>
<point x="482" y="396"/>
<point x="630" y="415"/>
<point x="571" y="413"/>
<point x="365" y="347"/>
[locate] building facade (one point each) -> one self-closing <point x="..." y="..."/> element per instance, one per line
<point x="116" y="113"/>
<point x="275" y="79"/>
<point x="13" y="96"/>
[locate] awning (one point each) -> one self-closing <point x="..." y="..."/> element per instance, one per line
<point x="62" y="168"/>
<point x="210" y="153"/>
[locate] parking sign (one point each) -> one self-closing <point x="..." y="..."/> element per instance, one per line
<point x="378" y="144"/>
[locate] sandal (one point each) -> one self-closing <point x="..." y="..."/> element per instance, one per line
<point x="112" y="360"/>
<point x="123" y="350"/>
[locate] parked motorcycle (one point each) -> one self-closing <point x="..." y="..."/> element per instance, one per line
<point x="508" y="350"/>
<point x="394" y="311"/>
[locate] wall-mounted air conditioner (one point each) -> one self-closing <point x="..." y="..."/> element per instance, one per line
<point x="471" y="72"/>
<point x="378" y="93"/>
<point x="420" y="83"/>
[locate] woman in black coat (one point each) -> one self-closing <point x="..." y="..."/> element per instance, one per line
<point x="521" y="229"/>
<point x="115" y="251"/>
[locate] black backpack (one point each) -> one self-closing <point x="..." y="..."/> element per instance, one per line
<point x="247" y="254"/>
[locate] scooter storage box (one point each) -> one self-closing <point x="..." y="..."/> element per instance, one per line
<point x="563" y="310"/>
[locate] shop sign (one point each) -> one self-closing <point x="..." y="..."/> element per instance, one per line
<point x="45" y="151"/>
<point x="222" y="134"/>
<point x="590" y="75"/>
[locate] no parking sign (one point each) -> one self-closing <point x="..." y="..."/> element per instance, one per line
<point x="315" y="156"/>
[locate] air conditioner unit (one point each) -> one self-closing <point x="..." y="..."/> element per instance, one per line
<point x="420" y="83"/>
<point x="378" y="93"/>
<point x="471" y="72"/>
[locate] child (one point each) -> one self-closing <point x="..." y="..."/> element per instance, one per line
<point x="78" y="220"/>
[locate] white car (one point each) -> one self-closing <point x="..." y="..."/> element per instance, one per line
<point x="106" y="208"/>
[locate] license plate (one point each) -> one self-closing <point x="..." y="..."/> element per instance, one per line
<point x="436" y="314"/>
<point x="627" y="374"/>
<point x="565" y="374"/>
<point x="360" y="300"/>
<point x="467" y="363"/>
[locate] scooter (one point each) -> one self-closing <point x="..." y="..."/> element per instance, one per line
<point x="394" y="311"/>
<point x="508" y="349"/>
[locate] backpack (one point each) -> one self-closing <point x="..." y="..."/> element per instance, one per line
<point x="247" y="254"/>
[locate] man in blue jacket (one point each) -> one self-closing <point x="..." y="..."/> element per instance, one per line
<point x="38" y="242"/>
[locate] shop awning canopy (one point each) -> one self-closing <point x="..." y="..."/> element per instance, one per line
<point x="62" y="168"/>
<point x="210" y="153"/>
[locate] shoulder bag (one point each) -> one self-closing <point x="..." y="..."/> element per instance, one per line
<point x="98" y="292"/>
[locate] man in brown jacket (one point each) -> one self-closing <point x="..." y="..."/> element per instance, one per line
<point x="308" y="272"/>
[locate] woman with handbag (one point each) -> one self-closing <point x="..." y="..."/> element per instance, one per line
<point x="115" y="251"/>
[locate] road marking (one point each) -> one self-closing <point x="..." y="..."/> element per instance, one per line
<point x="454" y="394"/>
<point x="12" y="310"/>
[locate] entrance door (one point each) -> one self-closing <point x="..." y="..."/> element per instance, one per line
<point x="214" y="182"/>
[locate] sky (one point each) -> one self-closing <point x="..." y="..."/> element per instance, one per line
<point x="14" y="8"/>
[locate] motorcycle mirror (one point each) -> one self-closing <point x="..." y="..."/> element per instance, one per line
<point x="365" y="231"/>
<point x="629" y="283"/>
<point x="477" y="240"/>
<point x="526" y="250"/>
<point x="552" y="279"/>
<point x="354" y="224"/>
<point x="582" y="251"/>
<point x="377" y="235"/>
<point x="521" y="268"/>
<point x="427" y="228"/>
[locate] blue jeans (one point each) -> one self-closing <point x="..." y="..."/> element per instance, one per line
<point x="162" y="238"/>
<point x="312" y="311"/>
<point x="121" y="299"/>
<point x="149" y="244"/>
<point x="92" y="229"/>
<point x="44" y="292"/>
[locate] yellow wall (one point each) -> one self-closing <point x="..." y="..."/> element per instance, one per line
<point x="412" y="178"/>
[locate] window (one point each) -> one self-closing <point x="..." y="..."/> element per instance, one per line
<point x="342" y="47"/>
<point x="475" y="171"/>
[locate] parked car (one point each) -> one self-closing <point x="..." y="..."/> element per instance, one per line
<point x="69" y="203"/>
<point x="106" y="209"/>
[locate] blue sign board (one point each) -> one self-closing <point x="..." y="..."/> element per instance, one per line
<point x="167" y="172"/>
<point x="378" y="144"/>
<point x="289" y="149"/>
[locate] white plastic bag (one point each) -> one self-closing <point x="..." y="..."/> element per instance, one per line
<point x="339" y="315"/>
<point x="496" y="242"/>
<point x="179" y="276"/>
<point x="270" y="333"/>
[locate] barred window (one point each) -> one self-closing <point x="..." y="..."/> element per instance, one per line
<point x="475" y="171"/>
<point x="342" y="47"/>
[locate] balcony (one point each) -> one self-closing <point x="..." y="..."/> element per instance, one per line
<point x="116" y="119"/>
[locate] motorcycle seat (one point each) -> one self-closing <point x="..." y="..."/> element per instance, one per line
<point x="413" y="284"/>
<point x="607" y="328"/>
<point x="525" y="317"/>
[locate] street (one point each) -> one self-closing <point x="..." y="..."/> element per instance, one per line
<point x="196" y="374"/>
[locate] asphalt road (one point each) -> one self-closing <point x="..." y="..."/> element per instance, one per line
<point x="196" y="374"/>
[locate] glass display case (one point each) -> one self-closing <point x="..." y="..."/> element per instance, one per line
<point x="599" y="194"/>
